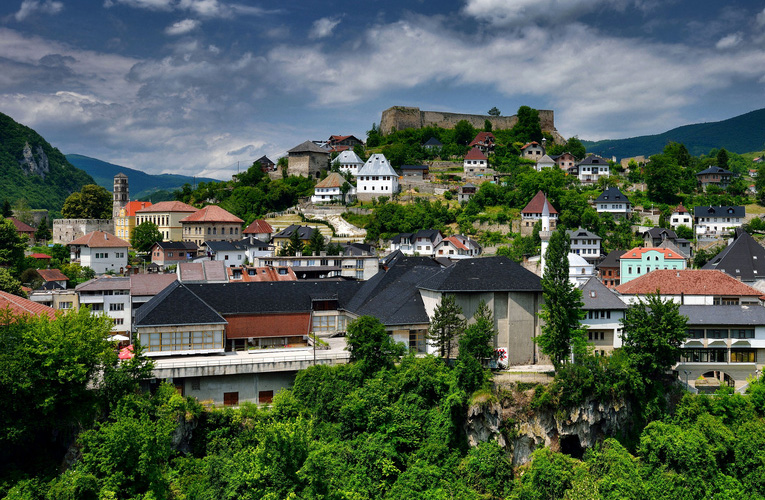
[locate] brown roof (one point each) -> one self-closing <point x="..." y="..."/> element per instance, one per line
<point x="637" y="253"/>
<point x="537" y="203"/>
<point x="456" y="242"/>
<point x="212" y="213"/>
<point x="258" y="226"/>
<point x="333" y="180"/>
<point x="40" y="256"/>
<point x="475" y="154"/>
<point x="265" y="273"/>
<point x="100" y="239"/>
<point x="22" y="227"/>
<point x="167" y="206"/>
<point x="150" y="284"/>
<point x="481" y="138"/>
<point x="681" y="209"/>
<point x="268" y="325"/>
<point x="52" y="275"/>
<point x="20" y="306"/>
<point x="688" y="282"/>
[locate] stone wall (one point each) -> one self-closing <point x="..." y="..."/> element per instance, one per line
<point x="402" y="117"/>
<point x="67" y="230"/>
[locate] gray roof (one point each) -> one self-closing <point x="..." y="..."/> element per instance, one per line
<point x="582" y="233"/>
<point x="744" y="258"/>
<point x="721" y="211"/>
<point x="724" y="315"/>
<point x="348" y="156"/>
<point x="593" y="160"/>
<point x="377" y="164"/>
<point x="612" y="259"/>
<point x="482" y="275"/>
<point x="715" y="170"/>
<point x="656" y="232"/>
<point x="104" y="283"/>
<point x="596" y="295"/>
<point x="670" y="245"/>
<point x="224" y="246"/>
<point x="433" y="142"/>
<point x="612" y="194"/>
<point x="176" y="305"/>
<point x="308" y="147"/>
<point x="177" y="245"/>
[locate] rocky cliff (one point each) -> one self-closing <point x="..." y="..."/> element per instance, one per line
<point x="521" y="430"/>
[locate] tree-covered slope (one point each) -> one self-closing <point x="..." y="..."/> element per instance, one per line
<point x="141" y="184"/>
<point x="740" y="134"/>
<point x="32" y="169"/>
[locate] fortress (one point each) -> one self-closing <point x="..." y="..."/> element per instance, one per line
<point x="402" y="117"/>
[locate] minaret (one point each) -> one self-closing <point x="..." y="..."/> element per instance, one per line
<point x="544" y="234"/>
<point x="121" y="195"/>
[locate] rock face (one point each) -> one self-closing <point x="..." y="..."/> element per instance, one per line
<point x="570" y="433"/>
<point x="34" y="163"/>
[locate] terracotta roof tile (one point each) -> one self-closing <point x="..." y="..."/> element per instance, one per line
<point x="212" y="213"/>
<point x="537" y="203"/>
<point x="40" y="256"/>
<point x="688" y="282"/>
<point x="52" y="275"/>
<point x="22" y="306"/>
<point x="475" y="154"/>
<point x="133" y="206"/>
<point x="100" y="239"/>
<point x="258" y="226"/>
<point x="637" y="253"/>
<point x="168" y="206"/>
<point x="22" y="227"/>
<point x="681" y="209"/>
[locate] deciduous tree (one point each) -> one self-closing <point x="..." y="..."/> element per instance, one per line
<point x="91" y="202"/>
<point x="144" y="236"/>
<point x="371" y="346"/>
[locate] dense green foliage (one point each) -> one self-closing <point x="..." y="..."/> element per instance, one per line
<point x="250" y="194"/>
<point x="91" y="202"/>
<point x="144" y="236"/>
<point x="143" y="186"/>
<point x="446" y="326"/>
<point x="739" y="134"/>
<point x="40" y="191"/>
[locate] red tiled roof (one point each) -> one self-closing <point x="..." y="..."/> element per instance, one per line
<point x="537" y="203"/>
<point x="40" y="256"/>
<point x="481" y="138"/>
<point x="20" y="306"/>
<point x="100" y="239"/>
<point x="168" y="206"/>
<point x="150" y="284"/>
<point x="456" y="242"/>
<point x="637" y="253"/>
<point x="22" y="227"/>
<point x="475" y="154"/>
<point x="532" y="143"/>
<point x="52" y="275"/>
<point x="258" y="226"/>
<point x="133" y="206"/>
<point x="212" y="213"/>
<point x="681" y="209"/>
<point x="688" y="282"/>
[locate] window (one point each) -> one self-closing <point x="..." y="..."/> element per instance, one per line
<point x="265" y="397"/>
<point x="118" y="321"/>
<point x="230" y="398"/>
<point x="743" y="356"/>
<point x="65" y="305"/>
<point x="117" y="307"/>
<point x="747" y="333"/>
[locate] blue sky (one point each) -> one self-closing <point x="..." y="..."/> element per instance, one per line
<point x="195" y="86"/>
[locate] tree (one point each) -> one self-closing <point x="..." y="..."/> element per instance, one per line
<point x="12" y="245"/>
<point x="91" y="202"/>
<point x="43" y="231"/>
<point x="663" y="176"/>
<point x="6" y="211"/>
<point x="463" y="132"/>
<point x="294" y="245"/>
<point x="478" y="338"/>
<point x="653" y="332"/>
<point x="562" y="308"/>
<point x="527" y="128"/>
<point x="144" y="236"/>
<point x="722" y="158"/>
<point x="316" y="244"/>
<point x="684" y="231"/>
<point x="487" y="126"/>
<point x="371" y="346"/>
<point x="447" y="324"/>
<point x="494" y="112"/>
<point x="10" y="284"/>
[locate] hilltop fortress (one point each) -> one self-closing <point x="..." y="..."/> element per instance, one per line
<point x="402" y="117"/>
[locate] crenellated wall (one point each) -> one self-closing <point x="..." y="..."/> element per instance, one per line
<point x="402" y="117"/>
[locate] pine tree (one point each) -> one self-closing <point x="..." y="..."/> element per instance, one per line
<point x="43" y="231"/>
<point x="295" y="245"/>
<point x="562" y="308"/>
<point x="316" y="244"/>
<point x="447" y="324"/>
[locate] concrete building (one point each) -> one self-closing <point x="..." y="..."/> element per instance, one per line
<point x="533" y="150"/>
<point x="211" y="223"/>
<point x="307" y="160"/>
<point x="166" y="215"/>
<point x="609" y="269"/>
<point x="330" y="190"/>
<point x="593" y="168"/>
<point x="124" y="222"/>
<point x="376" y="178"/>
<point x="714" y="176"/>
<point x="476" y="163"/>
<point x="353" y="266"/>
<point x="259" y="229"/>
<point x="100" y="251"/>
<point x="466" y="192"/>
<point x="544" y="162"/>
<point x="680" y="217"/>
<point x="67" y="230"/>
<point x="421" y="243"/>
<point x="111" y="296"/>
<point x="457" y="247"/>
<point x="170" y="253"/>
<point x="585" y="244"/>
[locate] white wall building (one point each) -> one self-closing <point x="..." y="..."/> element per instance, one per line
<point x="376" y="178"/>
<point x="100" y="251"/>
<point x="714" y="221"/>
<point x="592" y="168"/>
<point x="348" y="161"/>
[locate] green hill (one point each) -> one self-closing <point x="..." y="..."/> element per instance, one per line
<point x="740" y="134"/>
<point x="32" y="169"/>
<point x="142" y="185"/>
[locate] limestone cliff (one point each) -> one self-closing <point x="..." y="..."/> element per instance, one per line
<point x="34" y="163"/>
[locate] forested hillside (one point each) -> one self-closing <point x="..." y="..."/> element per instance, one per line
<point x="142" y="185"/>
<point x="740" y="134"/>
<point x="32" y="169"/>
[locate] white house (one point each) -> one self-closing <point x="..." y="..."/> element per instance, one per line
<point x="348" y="161"/>
<point x="585" y="244"/>
<point x="476" y="162"/>
<point x="714" y="221"/>
<point x="680" y="217"/>
<point x="533" y="150"/>
<point x="603" y="311"/>
<point x="100" y="251"/>
<point x="111" y="296"/>
<point x="579" y="270"/>
<point x="544" y="162"/>
<point x="329" y="190"/>
<point x="422" y="243"/>
<point x="376" y="178"/>
<point x="614" y="202"/>
<point x="592" y="168"/>
<point x="457" y="247"/>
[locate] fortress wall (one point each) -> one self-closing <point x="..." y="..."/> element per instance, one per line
<point x="402" y="117"/>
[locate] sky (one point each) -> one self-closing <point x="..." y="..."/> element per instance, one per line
<point x="204" y="87"/>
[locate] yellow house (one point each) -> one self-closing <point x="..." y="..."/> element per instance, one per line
<point x="125" y="220"/>
<point x="167" y="216"/>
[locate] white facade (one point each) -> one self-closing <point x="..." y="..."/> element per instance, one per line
<point x="377" y="178"/>
<point x="585" y="244"/>
<point x="348" y="161"/>
<point x="604" y="329"/>
<point x="327" y="195"/>
<point x="713" y="226"/>
<point x="544" y="162"/>
<point x="100" y="260"/>
<point x="113" y="301"/>
<point x="593" y="168"/>
<point x="680" y="219"/>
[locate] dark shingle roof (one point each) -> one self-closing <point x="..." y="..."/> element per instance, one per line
<point x="612" y="259"/>
<point x="721" y="211"/>
<point x="304" y="232"/>
<point x="176" y="305"/>
<point x="715" y="170"/>
<point x="656" y="232"/>
<point x="594" y="160"/>
<point x="753" y="315"/>
<point x="743" y="258"/>
<point x="433" y="142"/>
<point x="596" y="295"/>
<point x="308" y="147"/>
<point x="612" y="194"/>
<point x="176" y="245"/>
<point x="582" y="233"/>
<point x="484" y="274"/>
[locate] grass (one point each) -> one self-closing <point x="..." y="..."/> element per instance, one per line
<point x="755" y="209"/>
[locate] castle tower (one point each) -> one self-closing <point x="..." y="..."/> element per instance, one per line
<point x="121" y="195"/>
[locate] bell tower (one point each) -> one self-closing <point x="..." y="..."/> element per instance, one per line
<point x="121" y="195"/>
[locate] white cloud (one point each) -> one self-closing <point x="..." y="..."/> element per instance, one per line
<point x="182" y="27"/>
<point x="323" y="27"/>
<point x="730" y="41"/>
<point x="761" y="19"/>
<point x="143" y="4"/>
<point x="203" y="8"/>
<point x="29" y="7"/>
<point x="504" y="12"/>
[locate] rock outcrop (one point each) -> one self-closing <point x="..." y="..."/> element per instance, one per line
<point x="34" y="163"/>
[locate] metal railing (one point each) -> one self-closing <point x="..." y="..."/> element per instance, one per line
<point x="237" y="360"/>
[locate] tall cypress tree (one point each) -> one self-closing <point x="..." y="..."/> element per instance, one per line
<point x="562" y="333"/>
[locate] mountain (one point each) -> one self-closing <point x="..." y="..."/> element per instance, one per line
<point x="741" y="134"/>
<point x="32" y="169"/>
<point x="140" y="183"/>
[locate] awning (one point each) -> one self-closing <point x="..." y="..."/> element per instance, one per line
<point x="117" y="338"/>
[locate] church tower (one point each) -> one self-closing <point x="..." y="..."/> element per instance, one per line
<point x="121" y="195"/>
